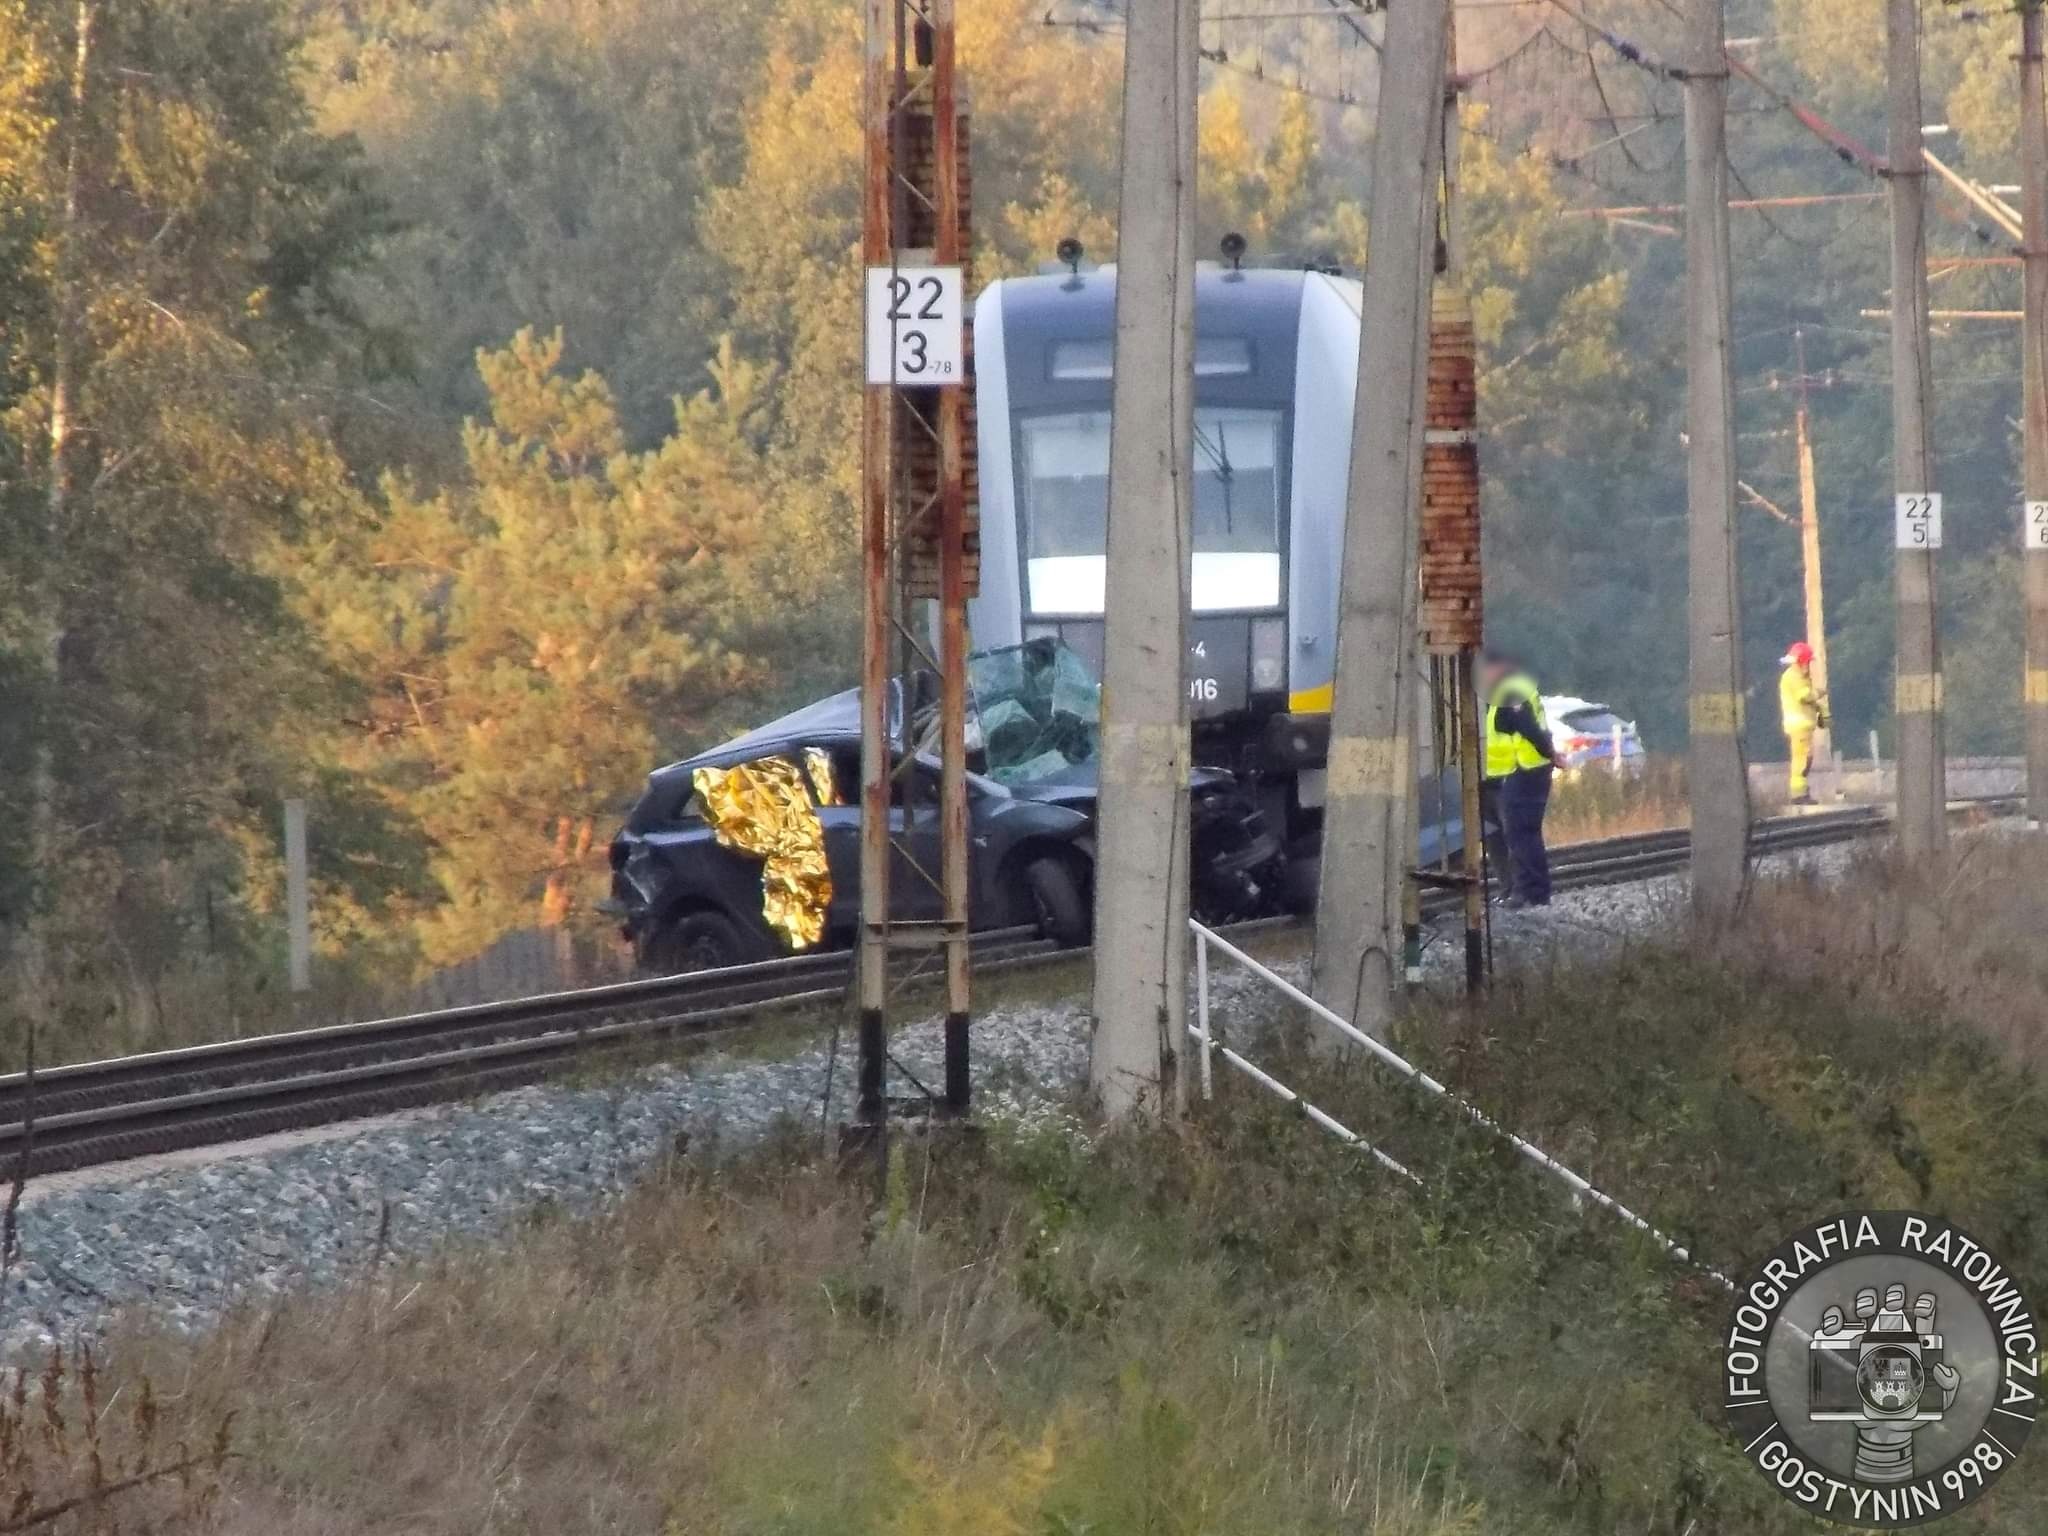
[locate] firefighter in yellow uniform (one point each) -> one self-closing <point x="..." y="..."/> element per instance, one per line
<point x="1805" y="710"/>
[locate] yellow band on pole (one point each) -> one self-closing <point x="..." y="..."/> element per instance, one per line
<point x="1918" y="693"/>
<point x="1716" y="714"/>
<point x="1370" y="765"/>
<point x="1146" y="756"/>
<point x="2037" y="685"/>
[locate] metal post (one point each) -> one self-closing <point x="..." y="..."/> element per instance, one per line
<point x="297" y="898"/>
<point x="1718" y="780"/>
<point x="916" y="526"/>
<point x="1202" y="1015"/>
<point x="1876" y="768"/>
<point x="1922" y="820"/>
<point x="1471" y="816"/>
<point x="1141" y="932"/>
<point x="883" y="88"/>
<point x="1809" y="558"/>
<point x="2034" y="536"/>
<point x="1371" y="758"/>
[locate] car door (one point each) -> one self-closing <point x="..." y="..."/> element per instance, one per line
<point x="839" y="817"/>
<point x="914" y="872"/>
<point x="913" y="832"/>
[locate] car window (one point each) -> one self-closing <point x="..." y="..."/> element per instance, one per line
<point x="916" y="785"/>
<point x="1594" y="722"/>
<point x="1036" y="711"/>
<point x="826" y="773"/>
<point x="838" y="764"/>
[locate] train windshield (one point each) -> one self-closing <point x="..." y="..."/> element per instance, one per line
<point x="1237" y="510"/>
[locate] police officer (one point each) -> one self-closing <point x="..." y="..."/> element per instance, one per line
<point x="1520" y="762"/>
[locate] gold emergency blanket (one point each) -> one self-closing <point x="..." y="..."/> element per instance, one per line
<point x="762" y="808"/>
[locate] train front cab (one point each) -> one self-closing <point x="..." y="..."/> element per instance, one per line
<point x="1276" y="355"/>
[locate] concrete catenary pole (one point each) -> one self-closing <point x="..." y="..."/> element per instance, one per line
<point x="1371" y="774"/>
<point x="2034" y="538"/>
<point x="1717" y="778"/>
<point x="1809" y="557"/>
<point x="883" y="87"/>
<point x="1141" y="933"/>
<point x="1923" y="825"/>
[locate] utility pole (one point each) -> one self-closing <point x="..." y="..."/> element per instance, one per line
<point x="1371" y="772"/>
<point x="1809" y="554"/>
<point x="2034" y="534"/>
<point x="1141" y="911"/>
<point x="1922" y="818"/>
<point x="1717" y="778"/>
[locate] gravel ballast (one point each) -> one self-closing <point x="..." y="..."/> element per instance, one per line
<point x="186" y="1241"/>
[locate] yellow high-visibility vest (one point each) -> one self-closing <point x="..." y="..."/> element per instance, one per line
<point x="1507" y="751"/>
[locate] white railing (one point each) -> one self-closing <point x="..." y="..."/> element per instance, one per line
<point x="1203" y="1034"/>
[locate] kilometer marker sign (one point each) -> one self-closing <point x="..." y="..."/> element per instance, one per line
<point x="1917" y="518"/>
<point x="915" y="321"/>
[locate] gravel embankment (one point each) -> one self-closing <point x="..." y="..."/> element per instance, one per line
<point x="188" y="1239"/>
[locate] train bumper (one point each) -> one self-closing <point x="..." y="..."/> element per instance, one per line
<point x="1295" y="741"/>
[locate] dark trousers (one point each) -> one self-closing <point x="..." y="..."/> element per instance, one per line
<point x="1520" y="800"/>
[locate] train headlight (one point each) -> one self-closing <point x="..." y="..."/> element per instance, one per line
<point x="1269" y="654"/>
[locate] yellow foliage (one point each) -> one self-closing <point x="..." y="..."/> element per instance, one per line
<point x="997" y="1489"/>
<point x="1034" y="229"/>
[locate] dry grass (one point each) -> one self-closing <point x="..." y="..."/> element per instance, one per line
<point x="71" y="1461"/>
<point x="1595" y="803"/>
<point x="1962" y="939"/>
<point x="1234" y="1327"/>
<point x="760" y="1353"/>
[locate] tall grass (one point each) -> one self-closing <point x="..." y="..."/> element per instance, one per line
<point x="71" y="1461"/>
<point x="1595" y="802"/>
<point x="1231" y="1326"/>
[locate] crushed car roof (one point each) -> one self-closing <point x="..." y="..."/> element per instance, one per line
<point x="833" y="718"/>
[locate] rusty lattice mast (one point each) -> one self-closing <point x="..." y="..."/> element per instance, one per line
<point x="1452" y="612"/>
<point x="917" y="529"/>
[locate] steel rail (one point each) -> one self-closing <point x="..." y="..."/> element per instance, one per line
<point x="99" y="1112"/>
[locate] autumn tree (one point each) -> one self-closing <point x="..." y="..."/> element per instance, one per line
<point x="545" y="629"/>
<point x="177" y="235"/>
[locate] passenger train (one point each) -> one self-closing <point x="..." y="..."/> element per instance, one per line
<point x="1276" y="372"/>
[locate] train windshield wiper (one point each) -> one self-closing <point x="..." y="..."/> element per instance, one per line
<point x="1219" y="455"/>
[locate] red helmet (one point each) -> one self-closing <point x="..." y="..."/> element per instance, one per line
<point x="1801" y="654"/>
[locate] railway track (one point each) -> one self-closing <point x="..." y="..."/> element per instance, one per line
<point x="100" y="1112"/>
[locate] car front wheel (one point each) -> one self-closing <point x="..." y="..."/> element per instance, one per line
<point x="1053" y="891"/>
<point x="696" y="941"/>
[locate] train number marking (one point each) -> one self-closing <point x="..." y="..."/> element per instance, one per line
<point x="2037" y="525"/>
<point x="1202" y="690"/>
<point x="1918" y="520"/>
<point x="914" y="324"/>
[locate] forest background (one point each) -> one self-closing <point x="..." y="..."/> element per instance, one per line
<point x="445" y="411"/>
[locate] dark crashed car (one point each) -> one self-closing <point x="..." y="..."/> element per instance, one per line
<point x="718" y="862"/>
